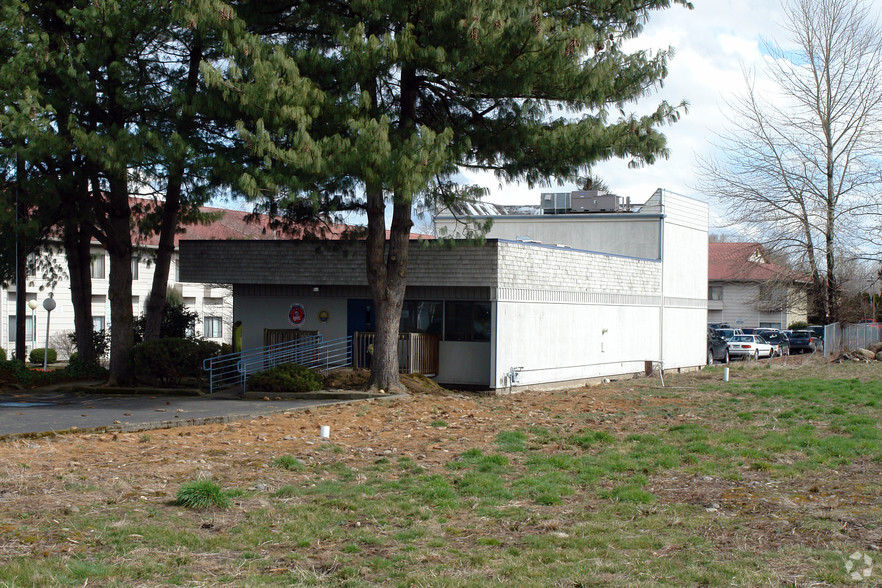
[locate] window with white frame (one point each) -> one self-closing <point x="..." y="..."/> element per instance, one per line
<point x="213" y="327"/>
<point x="98" y="266"/>
<point x="98" y="323"/>
<point x="134" y="268"/>
<point x="29" y="328"/>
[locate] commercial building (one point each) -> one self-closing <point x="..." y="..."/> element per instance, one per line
<point x="549" y="298"/>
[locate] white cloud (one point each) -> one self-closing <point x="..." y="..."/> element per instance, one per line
<point x="712" y="44"/>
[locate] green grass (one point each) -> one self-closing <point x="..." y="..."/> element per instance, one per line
<point x="289" y="462"/>
<point x="202" y="494"/>
<point x="590" y="501"/>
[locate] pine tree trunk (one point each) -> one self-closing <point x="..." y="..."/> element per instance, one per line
<point x="171" y="209"/>
<point x="77" y="240"/>
<point x="162" y="266"/>
<point x="21" y="266"/>
<point x="388" y="280"/>
<point x="119" y="248"/>
<point x="21" y="292"/>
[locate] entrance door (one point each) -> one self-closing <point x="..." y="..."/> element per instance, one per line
<point x="359" y="316"/>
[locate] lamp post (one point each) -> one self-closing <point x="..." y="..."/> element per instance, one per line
<point x="32" y="304"/>
<point x="49" y="305"/>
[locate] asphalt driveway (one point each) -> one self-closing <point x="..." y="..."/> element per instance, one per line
<point x="45" y="411"/>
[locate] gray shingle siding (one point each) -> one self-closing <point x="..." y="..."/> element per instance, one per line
<point x="492" y="265"/>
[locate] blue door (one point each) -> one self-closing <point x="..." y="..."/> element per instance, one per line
<point x="359" y="317"/>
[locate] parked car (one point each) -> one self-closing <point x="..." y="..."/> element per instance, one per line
<point x="727" y="334"/>
<point x="749" y="347"/>
<point x="748" y="330"/>
<point x="803" y="341"/>
<point x="778" y="340"/>
<point x="717" y="347"/>
<point x="818" y="330"/>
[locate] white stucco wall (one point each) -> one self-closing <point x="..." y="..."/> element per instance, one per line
<point x="557" y="342"/>
<point x="684" y="323"/>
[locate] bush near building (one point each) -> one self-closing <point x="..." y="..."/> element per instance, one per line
<point x="289" y="377"/>
<point x="36" y="356"/>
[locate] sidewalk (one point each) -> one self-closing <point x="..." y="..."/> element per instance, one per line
<point x="57" y="409"/>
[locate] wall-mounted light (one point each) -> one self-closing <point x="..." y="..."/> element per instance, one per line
<point x="315" y="289"/>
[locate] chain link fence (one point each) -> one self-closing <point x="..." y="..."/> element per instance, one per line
<point x="838" y="338"/>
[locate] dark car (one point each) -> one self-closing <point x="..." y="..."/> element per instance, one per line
<point x="717" y="348"/>
<point x="803" y="341"/>
<point x="818" y="331"/>
<point x="778" y="340"/>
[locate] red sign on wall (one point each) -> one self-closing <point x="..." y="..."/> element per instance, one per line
<point x="296" y="314"/>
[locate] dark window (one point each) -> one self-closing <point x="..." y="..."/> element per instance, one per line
<point x="421" y="316"/>
<point x="467" y="321"/>
<point x="714" y="292"/>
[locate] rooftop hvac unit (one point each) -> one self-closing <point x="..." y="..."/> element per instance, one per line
<point x="556" y="202"/>
<point x="594" y="201"/>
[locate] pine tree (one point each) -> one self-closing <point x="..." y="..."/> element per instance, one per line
<point x="116" y="105"/>
<point x="382" y="101"/>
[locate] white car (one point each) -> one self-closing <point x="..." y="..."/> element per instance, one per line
<point x="750" y="347"/>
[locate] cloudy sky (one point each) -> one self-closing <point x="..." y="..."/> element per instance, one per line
<point x="712" y="43"/>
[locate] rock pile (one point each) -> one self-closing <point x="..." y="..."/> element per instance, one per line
<point x="869" y="353"/>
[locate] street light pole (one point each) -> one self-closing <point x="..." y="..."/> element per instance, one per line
<point x="49" y="305"/>
<point x="32" y="304"/>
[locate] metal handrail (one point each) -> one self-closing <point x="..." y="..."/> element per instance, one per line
<point x="234" y="369"/>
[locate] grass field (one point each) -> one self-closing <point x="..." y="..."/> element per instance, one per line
<point x="770" y="479"/>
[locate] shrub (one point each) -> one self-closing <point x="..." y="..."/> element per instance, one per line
<point x="289" y="377"/>
<point x="202" y="494"/>
<point x="100" y="343"/>
<point x="2" y="354"/>
<point x="169" y="361"/>
<point x="797" y="326"/>
<point x="16" y="371"/>
<point x="36" y="356"/>
<point x="177" y="321"/>
<point x="77" y="369"/>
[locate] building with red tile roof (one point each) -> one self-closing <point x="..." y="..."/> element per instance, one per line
<point x="746" y="289"/>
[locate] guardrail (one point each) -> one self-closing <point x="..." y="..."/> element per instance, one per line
<point x="233" y="369"/>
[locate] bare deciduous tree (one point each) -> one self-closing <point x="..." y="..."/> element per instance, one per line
<point x="798" y="166"/>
